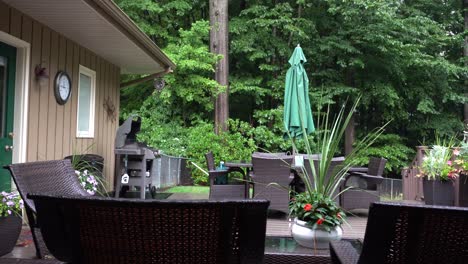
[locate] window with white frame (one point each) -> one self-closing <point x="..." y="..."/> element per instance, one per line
<point x="86" y="103"/>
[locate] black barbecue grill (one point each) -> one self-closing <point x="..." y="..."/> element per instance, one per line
<point x="133" y="159"/>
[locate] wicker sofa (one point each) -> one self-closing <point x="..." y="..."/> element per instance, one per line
<point x="407" y="234"/>
<point x="113" y="230"/>
<point x="365" y="186"/>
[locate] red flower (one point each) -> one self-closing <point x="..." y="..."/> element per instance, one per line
<point x="307" y="207"/>
<point x="320" y="221"/>
<point x="338" y="215"/>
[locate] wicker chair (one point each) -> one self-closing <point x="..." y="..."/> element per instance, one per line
<point x="55" y="176"/>
<point x="268" y="170"/>
<point x="399" y="233"/>
<point x="334" y="167"/>
<point x="113" y="230"/>
<point x="235" y="190"/>
<point x="365" y="186"/>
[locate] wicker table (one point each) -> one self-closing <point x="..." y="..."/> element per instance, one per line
<point x="242" y="165"/>
<point x="286" y="250"/>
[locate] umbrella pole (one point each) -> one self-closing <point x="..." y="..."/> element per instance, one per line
<point x="294" y="146"/>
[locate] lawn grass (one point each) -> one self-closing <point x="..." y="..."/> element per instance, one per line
<point x="388" y="197"/>
<point x="189" y="189"/>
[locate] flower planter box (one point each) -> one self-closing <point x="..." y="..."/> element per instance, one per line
<point x="10" y="228"/>
<point x="438" y="192"/>
<point x="463" y="190"/>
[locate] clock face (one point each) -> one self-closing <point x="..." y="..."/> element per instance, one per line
<point x="62" y="87"/>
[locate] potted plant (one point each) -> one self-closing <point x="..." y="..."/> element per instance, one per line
<point x="460" y="164"/>
<point x="88" y="169"/>
<point x="438" y="174"/>
<point x="88" y="181"/>
<point x="11" y="207"/>
<point x="318" y="217"/>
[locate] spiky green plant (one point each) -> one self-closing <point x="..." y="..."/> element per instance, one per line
<point x="326" y="184"/>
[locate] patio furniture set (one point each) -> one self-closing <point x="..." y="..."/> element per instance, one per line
<point x="78" y="228"/>
<point x="267" y="173"/>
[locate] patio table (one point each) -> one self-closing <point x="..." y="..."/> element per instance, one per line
<point x="287" y="250"/>
<point x="244" y="165"/>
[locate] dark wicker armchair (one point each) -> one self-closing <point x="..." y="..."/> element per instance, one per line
<point x="232" y="190"/>
<point x="271" y="177"/>
<point x="335" y="166"/>
<point x="55" y="176"/>
<point x="365" y="186"/>
<point x="399" y="233"/>
<point x="113" y="230"/>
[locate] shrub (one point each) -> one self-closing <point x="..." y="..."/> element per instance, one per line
<point x="392" y="148"/>
<point x="231" y="145"/>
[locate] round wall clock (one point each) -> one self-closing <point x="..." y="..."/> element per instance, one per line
<point x="62" y="87"/>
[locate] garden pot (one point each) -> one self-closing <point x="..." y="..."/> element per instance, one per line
<point x="463" y="190"/>
<point x="10" y="228"/>
<point x="438" y="192"/>
<point x="318" y="238"/>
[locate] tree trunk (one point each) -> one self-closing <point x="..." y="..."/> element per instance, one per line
<point x="465" y="55"/>
<point x="219" y="45"/>
<point x="349" y="136"/>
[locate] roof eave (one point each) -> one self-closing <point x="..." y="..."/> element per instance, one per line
<point x="125" y="24"/>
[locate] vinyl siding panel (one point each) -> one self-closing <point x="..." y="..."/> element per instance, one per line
<point x="52" y="127"/>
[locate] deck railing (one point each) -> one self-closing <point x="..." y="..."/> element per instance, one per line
<point x="412" y="185"/>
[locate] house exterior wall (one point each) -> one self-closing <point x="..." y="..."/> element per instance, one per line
<point x="52" y="127"/>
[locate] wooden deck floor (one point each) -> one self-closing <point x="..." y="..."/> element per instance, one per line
<point x="280" y="226"/>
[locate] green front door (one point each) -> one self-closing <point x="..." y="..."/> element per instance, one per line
<point x="7" y="97"/>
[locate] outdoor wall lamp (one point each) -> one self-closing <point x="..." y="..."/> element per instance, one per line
<point x="159" y="84"/>
<point x="42" y="77"/>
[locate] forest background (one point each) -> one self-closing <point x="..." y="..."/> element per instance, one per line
<point x="405" y="57"/>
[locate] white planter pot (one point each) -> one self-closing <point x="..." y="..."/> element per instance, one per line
<point x="314" y="238"/>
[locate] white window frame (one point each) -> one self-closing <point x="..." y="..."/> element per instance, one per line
<point x="92" y="74"/>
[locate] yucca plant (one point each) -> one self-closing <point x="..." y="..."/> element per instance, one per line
<point x="319" y="207"/>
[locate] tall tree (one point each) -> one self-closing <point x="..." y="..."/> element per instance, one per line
<point x="219" y="45"/>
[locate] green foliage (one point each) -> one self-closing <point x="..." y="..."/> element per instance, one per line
<point x="393" y="148"/>
<point x="404" y="57"/>
<point x="189" y="90"/>
<point x="230" y="145"/>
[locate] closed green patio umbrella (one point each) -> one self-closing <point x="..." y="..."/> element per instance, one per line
<point x="297" y="111"/>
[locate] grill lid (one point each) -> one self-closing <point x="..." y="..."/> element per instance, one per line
<point x="126" y="133"/>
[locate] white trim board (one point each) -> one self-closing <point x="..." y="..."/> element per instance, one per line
<point x="92" y="75"/>
<point x="20" y="118"/>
